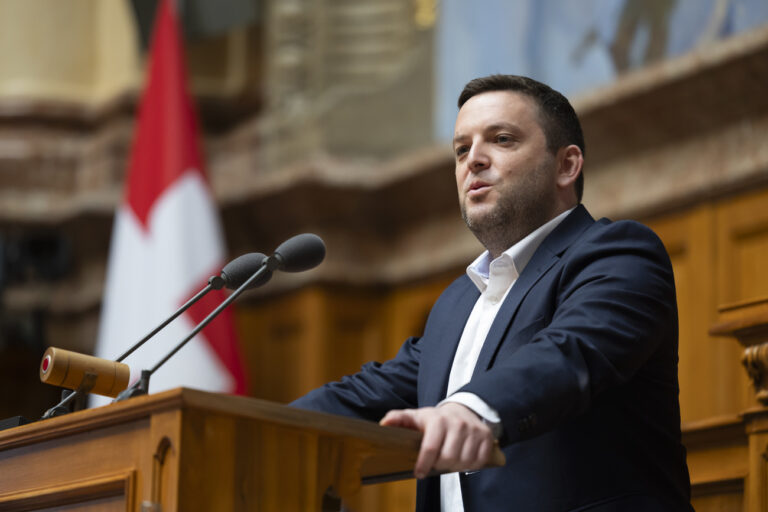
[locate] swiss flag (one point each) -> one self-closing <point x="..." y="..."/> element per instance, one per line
<point x="167" y="240"/>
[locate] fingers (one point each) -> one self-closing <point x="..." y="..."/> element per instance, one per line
<point x="405" y="418"/>
<point x="431" y="445"/>
<point x="455" y="439"/>
<point x="466" y="447"/>
<point x="476" y="454"/>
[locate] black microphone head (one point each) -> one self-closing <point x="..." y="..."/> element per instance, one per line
<point x="301" y="252"/>
<point x="237" y="271"/>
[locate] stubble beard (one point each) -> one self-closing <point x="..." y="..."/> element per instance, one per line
<point x="519" y="210"/>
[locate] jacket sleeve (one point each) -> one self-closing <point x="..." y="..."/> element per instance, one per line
<point x="611" y="313"/>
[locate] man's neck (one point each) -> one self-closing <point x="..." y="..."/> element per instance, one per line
<point x="511" y="241"/>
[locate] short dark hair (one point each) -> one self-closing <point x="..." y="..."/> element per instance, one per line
<point x="559" y="121"/>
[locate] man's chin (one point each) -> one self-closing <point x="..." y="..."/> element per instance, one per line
<point x="478" y="210"/>
<point x="477" y="219"/>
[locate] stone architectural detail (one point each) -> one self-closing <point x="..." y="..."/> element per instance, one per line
<point x="339" y="77"/>
<point x="680" y="130"/>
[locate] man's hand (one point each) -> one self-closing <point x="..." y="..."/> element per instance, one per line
<point x="455" y="439"/>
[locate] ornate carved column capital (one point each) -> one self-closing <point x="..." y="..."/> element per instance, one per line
<point x="748" y="323"/>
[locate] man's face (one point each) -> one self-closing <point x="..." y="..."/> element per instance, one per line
<point x="505" y="175"/>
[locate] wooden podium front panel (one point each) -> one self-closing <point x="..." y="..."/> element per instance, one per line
<point x="90" y="495"/>
<point x="89" y="470"/>
<point x="239" y="464"/>
<point x="233" y="463"/>
<point x="98" y="459"/>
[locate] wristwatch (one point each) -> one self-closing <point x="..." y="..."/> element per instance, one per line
<point x="496" y="428"/>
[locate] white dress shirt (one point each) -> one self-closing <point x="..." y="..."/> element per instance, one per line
<point x="494" y="279"/>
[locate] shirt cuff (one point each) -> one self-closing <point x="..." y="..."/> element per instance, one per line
<point x="474" y="403"/>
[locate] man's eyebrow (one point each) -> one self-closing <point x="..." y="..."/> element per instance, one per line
<point x="501" y="126"/>
<point x="459" y="137"/>
<point x="490" y="128"/>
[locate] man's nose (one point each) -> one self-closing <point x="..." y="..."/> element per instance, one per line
<point x="478" y="158"/>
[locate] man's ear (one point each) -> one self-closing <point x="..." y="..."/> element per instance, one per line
<point x="570" y="160"/>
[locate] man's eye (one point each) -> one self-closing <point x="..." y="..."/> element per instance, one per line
<point x="461" y="150"/>
<point x="504" y="138"/>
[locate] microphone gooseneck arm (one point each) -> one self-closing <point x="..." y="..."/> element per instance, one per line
<point x="212" y="285"/>
<point x="144" y="381"/>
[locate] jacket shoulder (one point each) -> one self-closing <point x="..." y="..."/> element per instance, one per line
<point x="622" y="233"/>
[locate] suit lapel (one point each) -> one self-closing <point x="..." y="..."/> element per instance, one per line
<point x="543" y="259"/>
<point x="436" y="362"/>
<point x="540" y="263"/>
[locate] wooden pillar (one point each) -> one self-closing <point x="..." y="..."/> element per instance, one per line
<point x="748" y="323"/>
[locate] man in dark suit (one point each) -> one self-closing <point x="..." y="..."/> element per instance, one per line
<point x="560" y="342"/>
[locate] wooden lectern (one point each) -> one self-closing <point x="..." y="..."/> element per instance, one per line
<point x="188" y="450"/>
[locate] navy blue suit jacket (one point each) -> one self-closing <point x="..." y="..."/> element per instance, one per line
<point x="580" y="363"/>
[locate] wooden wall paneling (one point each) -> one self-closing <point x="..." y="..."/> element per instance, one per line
<point x="408" y="308"/>
<point x="353" y="331"/>
<point x="718" y="452"/>
<point x="742" y="239"/>
<point x="724" y="502"/>
<point x="281" y="343"/>
<point x="712" y="382"/>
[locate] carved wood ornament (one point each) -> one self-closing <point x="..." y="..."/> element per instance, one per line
<point x="748" y="323"/>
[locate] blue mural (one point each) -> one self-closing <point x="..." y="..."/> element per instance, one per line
<point x="573" y="45"/>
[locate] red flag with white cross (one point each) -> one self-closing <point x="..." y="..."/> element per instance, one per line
<point x="167" y="239"/>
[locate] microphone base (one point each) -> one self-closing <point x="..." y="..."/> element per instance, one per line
<point x="66" y="407"/>
<point x="58" y="410"/>
<point x="140" y="388"/>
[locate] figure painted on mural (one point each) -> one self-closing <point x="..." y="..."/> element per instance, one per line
<point x="644" y="29"/>
<point x="647" y="19"/>
<point x="559" y="343"/>
<point x="653" y="15"/>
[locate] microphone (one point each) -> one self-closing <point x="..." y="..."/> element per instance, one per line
<point x="87" y="373"/>
<point x="301" y="252"/>
<point x="237" y="271"/>
<point x="298" y="253"/>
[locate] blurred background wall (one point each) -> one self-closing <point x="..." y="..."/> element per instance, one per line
<point x="334" y="116"/>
